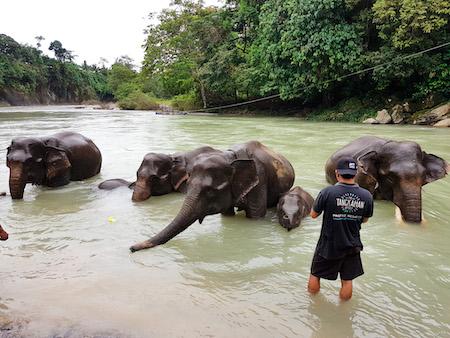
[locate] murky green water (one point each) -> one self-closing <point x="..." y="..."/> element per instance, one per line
<point x="66" y="270"/>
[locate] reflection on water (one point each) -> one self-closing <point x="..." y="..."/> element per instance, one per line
<point x="66" y="270"/>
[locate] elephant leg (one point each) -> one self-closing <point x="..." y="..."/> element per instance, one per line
<point x="229" y="212"/>
<point x="256" y="202"/>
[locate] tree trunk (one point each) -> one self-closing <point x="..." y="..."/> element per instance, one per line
<point x="203" y="93"/>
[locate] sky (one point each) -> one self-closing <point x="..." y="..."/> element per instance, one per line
<point x="90" y="28"/>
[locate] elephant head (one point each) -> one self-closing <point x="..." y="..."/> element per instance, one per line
<point x="25" y="159"/>
<point x="400" y="169"/>
<point x="3" y="234"/>
<point x="293" y="206"/>
<point x="153" y="177"/>
<point x="32" y="160"/>
<point x="215" y="185"/>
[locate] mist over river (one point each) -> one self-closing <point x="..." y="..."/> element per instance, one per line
<point x="66" y="269"/>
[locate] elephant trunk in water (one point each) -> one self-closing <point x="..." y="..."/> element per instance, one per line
<point x="141" y="191"/>
<point x="410" y="204"/>
<point x="17" y="181"/>
<point x="186" y="216"/>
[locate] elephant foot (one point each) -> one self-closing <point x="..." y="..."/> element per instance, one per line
<point x="143" y="245"/>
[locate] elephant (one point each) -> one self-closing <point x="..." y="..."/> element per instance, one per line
<point x="51" y="161"/>
<point x="249" y="176"/>
<point x="392" y="170"/>
<point x="115" y="183"/>
<point x="3" y="234"/>
<point x="293" y="206"/>
<point x="160" y="174"/>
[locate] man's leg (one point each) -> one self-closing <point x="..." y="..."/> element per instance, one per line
<point x="346" y="289"/>
<point x="313" y="284"/>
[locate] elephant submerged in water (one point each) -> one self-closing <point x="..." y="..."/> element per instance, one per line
<point x="293" y="206"/>
<point x="51" y="161"/>
<point x="392" y="170"/>
<point x="116" y="183"/>
<point x="250" y="177"/>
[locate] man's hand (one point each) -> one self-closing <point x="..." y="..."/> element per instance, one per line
<point x="314" y="214"/>
<point x="365" y="219"/>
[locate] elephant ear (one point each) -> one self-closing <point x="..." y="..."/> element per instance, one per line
<point x="53" y="153"/>
<point x="435" y="167"/>
<point x="367" y="171"/>
<point x="367" y="164"/>
<point x="245" y="178"/>
<point x="178" y="174"/>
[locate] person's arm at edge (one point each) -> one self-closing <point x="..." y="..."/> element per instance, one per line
<point x="317" y="207"/>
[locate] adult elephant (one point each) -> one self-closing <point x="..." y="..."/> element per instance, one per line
<point x="250" y="177"/>
<point x="51" y="161"/>
<point x="160" y="174"/>
<point x="392" y="170"/>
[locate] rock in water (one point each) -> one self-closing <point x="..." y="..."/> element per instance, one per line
<point x="435" y="115"/>
<point x="371" y="120"/>
<point x="383" y="117"/>
<point x="398" y="114"/>
<point x="443" y="123"/>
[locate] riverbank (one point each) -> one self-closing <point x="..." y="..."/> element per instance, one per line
<point x="357" y="111"/>
<point x="352" y="110"/>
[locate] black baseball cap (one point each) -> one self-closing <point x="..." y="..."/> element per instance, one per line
<point x="347" y="166"/>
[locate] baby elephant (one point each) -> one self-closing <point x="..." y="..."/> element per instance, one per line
<point x="293" y="206"/>
<point x="3" y="234"/>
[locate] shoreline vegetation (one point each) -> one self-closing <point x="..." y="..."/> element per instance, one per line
<point x="199" y="56"/>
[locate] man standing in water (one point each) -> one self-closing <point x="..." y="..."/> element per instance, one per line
<point x="345" y="205"/>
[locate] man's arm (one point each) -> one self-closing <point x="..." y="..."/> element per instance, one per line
<point x="314" y="214"/>
<point x="318" y="205"/>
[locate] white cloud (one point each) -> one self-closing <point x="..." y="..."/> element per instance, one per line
<point x="91" y="29"/>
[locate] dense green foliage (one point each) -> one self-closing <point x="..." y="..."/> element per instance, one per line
<point x="27" y="72"/>
<point x="297" y="48"/>
<point x="201" y="56"/>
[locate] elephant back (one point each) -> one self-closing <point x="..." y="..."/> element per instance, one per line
<point x="84" y="156"/>
<point x="279" y="173"/>
<point x="354" y="149"/>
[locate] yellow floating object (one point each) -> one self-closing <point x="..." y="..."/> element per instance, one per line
<point x="111" y="219"/>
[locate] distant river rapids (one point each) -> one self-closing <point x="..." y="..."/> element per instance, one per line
<point x="66" y="269"/>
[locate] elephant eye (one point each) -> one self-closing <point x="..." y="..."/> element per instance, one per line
<point x="285" y="216"/>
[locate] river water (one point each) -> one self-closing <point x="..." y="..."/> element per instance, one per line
<point x="66" y="269"/>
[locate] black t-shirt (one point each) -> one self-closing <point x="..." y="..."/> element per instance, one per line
<point x="344" y="207"/>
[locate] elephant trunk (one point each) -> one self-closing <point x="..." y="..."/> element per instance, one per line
<point x="186" y="216"/>
<point x="17" y="181"/>
<point x="410" y="204"/>
<point x="142" y="190"/>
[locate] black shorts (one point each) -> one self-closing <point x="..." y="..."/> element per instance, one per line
<point x="349" y="267"/>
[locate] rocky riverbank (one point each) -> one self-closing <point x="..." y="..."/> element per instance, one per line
<point x="438" y="116"/>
